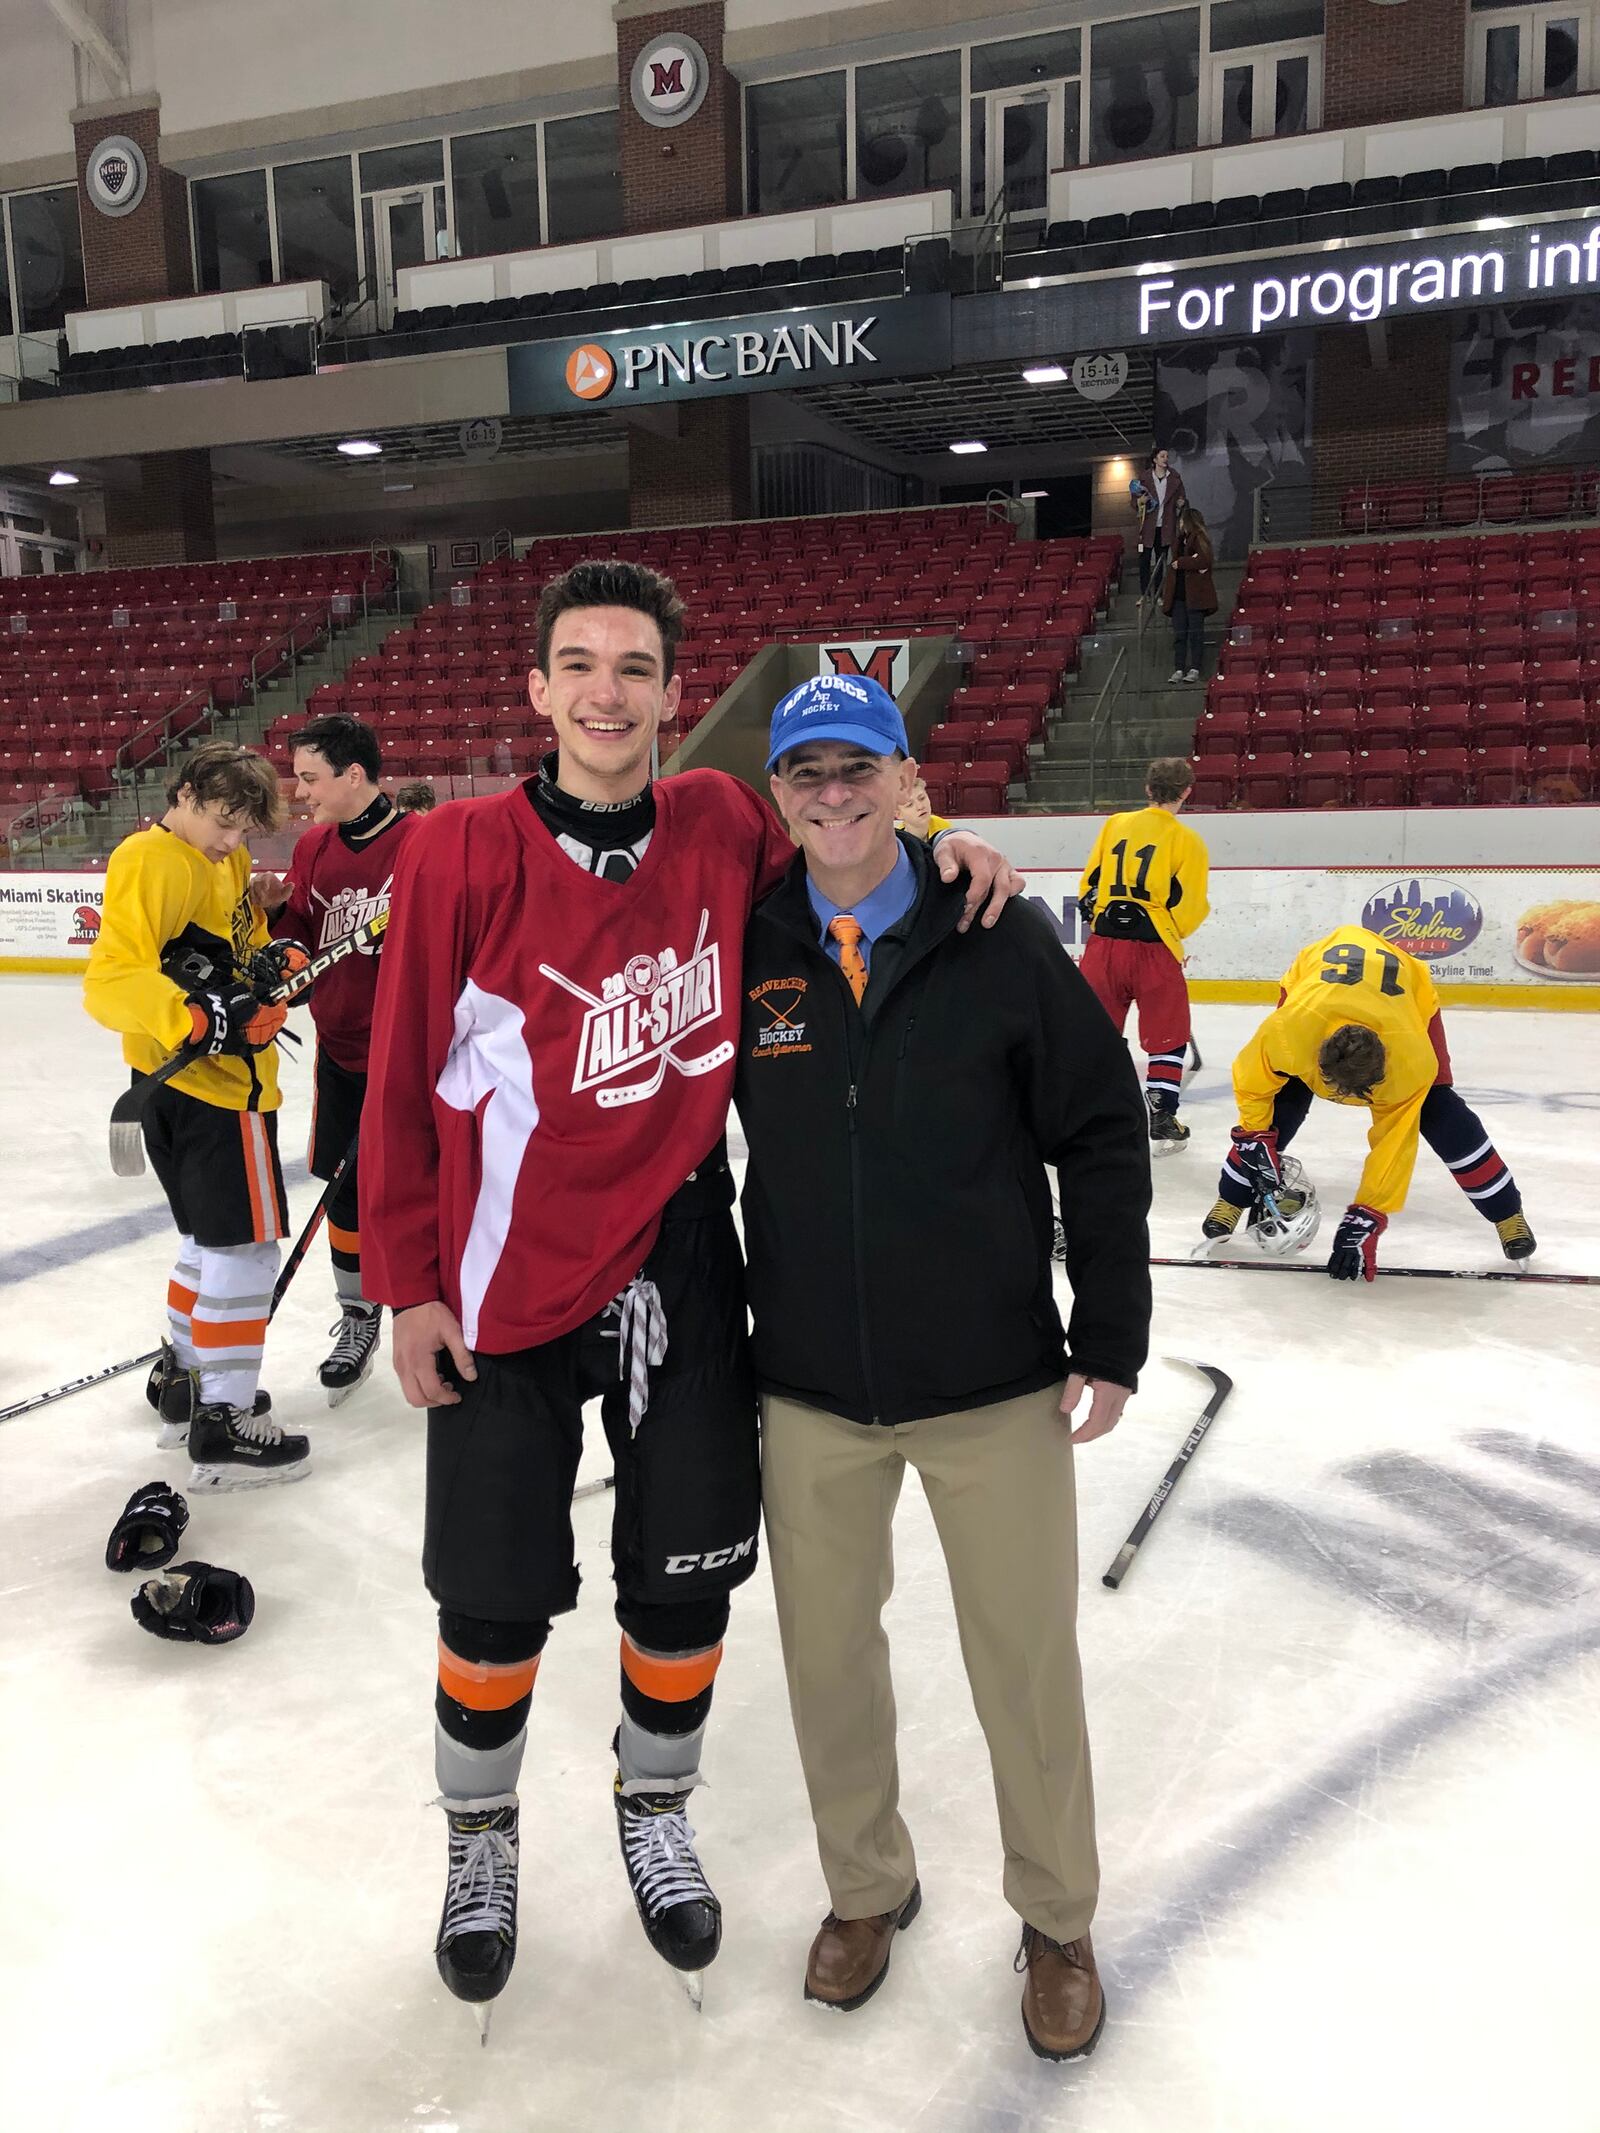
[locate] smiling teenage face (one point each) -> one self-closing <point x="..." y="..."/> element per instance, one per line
<point x="606" y="692"/>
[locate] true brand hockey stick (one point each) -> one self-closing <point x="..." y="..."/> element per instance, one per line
<point x="1396" y="1273"/>
<point x="64" y="1392"/>
<point x="127" y="1144"/>
<point x="1221" y="1386"/>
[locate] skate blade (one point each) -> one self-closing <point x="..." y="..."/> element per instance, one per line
<point x="217" y="1479"/>
<point x="1160" y="1149"/>
<point x="694" y="1987"/>
<point x="484" y="2012"/>
<point x="338" y="1394"/>
<point x="174" y="1436"/>
<point x="1211" y="1247"/>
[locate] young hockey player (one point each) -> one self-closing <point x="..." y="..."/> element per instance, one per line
<point x="546" y="1207"/>
<point x="339" y="880"/>
<point x="1144" y="893"/>
<point x="1358" y="1022"/>
<point x="179" y="965"/>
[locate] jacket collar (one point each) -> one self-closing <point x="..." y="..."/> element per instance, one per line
<point x="935" y="914"/>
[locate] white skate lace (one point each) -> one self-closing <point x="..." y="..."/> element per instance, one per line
<point x="354" y="1329"/>
<point x="659" y="1846"/>
<point x="482" y="1894"/>
<point x="258" y="1429"/>
<point x="641" y="1341"/>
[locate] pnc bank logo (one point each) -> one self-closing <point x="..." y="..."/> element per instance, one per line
<point x="590" y="372"/>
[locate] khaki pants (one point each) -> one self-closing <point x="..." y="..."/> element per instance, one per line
<point x="999" y="1483"/>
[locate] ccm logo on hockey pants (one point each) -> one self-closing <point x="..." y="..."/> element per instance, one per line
<point x="716" y="1559"/>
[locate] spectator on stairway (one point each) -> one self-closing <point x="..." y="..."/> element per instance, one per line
<point x="1189" y="593"/>
<point x="1157" y="493"/>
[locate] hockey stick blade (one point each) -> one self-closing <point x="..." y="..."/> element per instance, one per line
<point x="1221" y="1385"/>
<point x="1388" y="1273"/>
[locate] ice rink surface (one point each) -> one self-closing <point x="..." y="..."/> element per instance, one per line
<point x="1345" y="1714"/>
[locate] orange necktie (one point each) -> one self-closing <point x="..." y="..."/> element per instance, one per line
<point x="847" y="932"/>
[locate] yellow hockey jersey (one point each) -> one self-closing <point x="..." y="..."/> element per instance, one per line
<point x="1156" y="863"/>
<point x="1350" y="976"/>
<point x="156" y="887"/>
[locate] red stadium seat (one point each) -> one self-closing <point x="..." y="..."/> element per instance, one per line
<point x="1267" y="780"/>
<point x="1441" y="777"/>
<point x="1324" y="779"/>
<point x="1500" y="775"/>
<point x="1382" y="778"/>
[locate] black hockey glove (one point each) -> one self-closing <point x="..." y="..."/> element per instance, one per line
<point x="232" y="1021"/>
<point x="149" y="1530"/>
<point x="279" y="963"/>
<point x="1355" y="1244"/>
<point x="196" y="1604"/>
<point x="1255" y="1157"/>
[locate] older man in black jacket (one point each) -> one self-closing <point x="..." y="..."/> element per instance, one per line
<point x="884" y="1055"/>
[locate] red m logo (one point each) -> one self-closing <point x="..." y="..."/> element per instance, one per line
<point x="667" y="81"/>
<point x="879" y="666"/>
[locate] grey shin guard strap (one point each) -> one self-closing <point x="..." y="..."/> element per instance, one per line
<point x="652" y="1762"/>
<point x="475" y="1773"/>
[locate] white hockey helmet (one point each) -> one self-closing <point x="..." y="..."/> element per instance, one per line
<point x="1291" y="1216"/>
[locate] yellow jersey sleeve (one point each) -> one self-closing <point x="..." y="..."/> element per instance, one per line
<point x="1191" y="869"/>
<point x="148" y="902"/>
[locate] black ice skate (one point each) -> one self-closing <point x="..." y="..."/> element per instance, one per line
<point x="1167" y="1131"/>
<point x="233" y="1450"/>
<point x="477" y="1942"/>
<point x="174" y="1393"/>
<point x="1517" y="1241"/>
<point x="681" y="1916"/>
<point x="351" y="1359"/>
<point x="1222" y="1221"/>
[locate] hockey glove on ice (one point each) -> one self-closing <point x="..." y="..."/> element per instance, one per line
<point x="1355" y="1244"/>
<point x="196" y="1604"/>
<point x="1255" y="1157"/>
<point x="233" y="1020"/>
<point x="149" y="1530"/>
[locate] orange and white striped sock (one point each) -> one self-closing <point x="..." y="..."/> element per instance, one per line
<point x="229" y="1320"/>
<point x="183" y="1286"/>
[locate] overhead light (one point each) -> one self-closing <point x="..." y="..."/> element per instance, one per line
<point x="972" y="445"/>
<point x="360" y="448"/>
<point x="1033" y="494"/>
<point x="1044" y="374"/>
<point x="1155" y="266"/>
<point x="61" y="479"/>
<point x="397" y="488"/>
<point x="1034" y="281"/>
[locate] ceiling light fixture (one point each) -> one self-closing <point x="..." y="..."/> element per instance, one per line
<point x="1044" y="374"/>
<point x="971" y="445"/>
<point x="360" y="448"/>
<point x="1032" y="495"/>
<point x="61" y="479"/>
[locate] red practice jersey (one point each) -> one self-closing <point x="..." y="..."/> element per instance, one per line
<point x="336" y="884"/>
<point x="552" y="1053"/>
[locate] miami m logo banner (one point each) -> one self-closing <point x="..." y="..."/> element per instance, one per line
<point x="885" y="661"/>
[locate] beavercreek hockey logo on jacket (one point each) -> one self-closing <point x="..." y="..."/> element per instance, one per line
<point x="632" y="1033"/>
<point x="780" y="1000"/>
<point x="347" y="912"/>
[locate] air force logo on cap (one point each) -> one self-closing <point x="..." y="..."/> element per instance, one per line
<point x="838" y="707"/>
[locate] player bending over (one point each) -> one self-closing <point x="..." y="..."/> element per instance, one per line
<point x="1358" y="1022"/>
<point x="546" y="1207"/>
<point x="339" y="881"/>
<point x="180" y="963"/>
<point x="1144" y="892"/>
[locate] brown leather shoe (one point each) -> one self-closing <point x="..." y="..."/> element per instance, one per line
<point x="849" y="1958"/>
<point x="1063" y="2007"/>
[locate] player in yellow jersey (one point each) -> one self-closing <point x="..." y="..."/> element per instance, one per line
<point x="1144" y="892"/>
<point x="1358" y="1022"/>
<point x="171" y="971"/>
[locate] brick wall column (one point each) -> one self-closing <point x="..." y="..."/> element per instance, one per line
<point x="167" y="518"/>
<point x="702" y="474"/>
<point x="1392" y="62"/>
<point x="134" y="258"/>
<point x="1372" y="423"/>
<point x="674" y="176"/>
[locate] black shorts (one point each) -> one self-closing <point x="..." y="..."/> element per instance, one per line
<point x="501" y="1467"/>
<point x="219" y="1169"/>
<point x="335" y="1115"/>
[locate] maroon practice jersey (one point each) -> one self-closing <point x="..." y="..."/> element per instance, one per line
<point x="339" y="878"/>
<point x="552" y="1053"/>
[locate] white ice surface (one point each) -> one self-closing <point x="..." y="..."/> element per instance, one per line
<point x="1345" y="1715"/>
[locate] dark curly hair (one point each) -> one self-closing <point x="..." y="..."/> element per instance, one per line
<point x="600" y="584"/>
<point x="1353" y="1061"/>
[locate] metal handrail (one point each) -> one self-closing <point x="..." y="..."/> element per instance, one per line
<point x="1100" y="718"/>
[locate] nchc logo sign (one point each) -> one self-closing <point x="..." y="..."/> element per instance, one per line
<point x="711" y="357"/>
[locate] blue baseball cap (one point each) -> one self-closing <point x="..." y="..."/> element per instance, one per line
<point x="838" y="707"/>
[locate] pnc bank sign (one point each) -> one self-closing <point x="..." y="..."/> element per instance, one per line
<point x="721" y="356"/>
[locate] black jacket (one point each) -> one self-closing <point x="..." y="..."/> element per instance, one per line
<point x="897" y="1213"/>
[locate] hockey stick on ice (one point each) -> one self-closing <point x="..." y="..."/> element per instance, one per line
<point x="64" y="1392"/>
<point x="1221" y="1386"/>
<point x="127" y="1144"/>
<point x="1396" y="1273"/>
<point x="291" y="1266"/>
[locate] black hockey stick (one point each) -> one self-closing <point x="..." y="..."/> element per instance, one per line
<point x="1396" y="1273"/>
<point x="1221" y="1386"/>
<point x="291" y="1266"/>
<point x="127" y="1144"/>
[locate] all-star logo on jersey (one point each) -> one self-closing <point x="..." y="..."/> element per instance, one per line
<point x="348" y="912"/>
<point x="644" y="1013"/>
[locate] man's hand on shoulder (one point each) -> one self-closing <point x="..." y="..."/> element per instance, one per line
<point x="421" y="1335"/>
<point x="1106" y="1403"/>
<point x="990" y="874"/>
